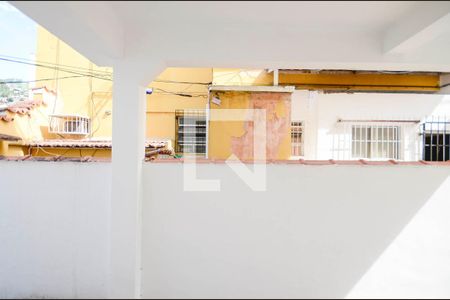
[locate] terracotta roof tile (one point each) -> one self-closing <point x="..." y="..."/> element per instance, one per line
<point x="205" y="161"/>
<point x="317" y="162"/>
<point x="23" y="107"/>
<point x="44" y="88"/>
<point x="6" y="118"/>
<point x="329" y="162"/>
<point x="88" y="143"/>
<point x="54" y="158"/>
<point x="10" y="138"/>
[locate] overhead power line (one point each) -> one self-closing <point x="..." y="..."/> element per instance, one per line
<point x="55" y="68"/>
<point x="45" y="79"/>
<point x="54" y="64"/>
<point x="182" y="94"/>
<point x="182" y="82"/>
<point x="83" y="71"/>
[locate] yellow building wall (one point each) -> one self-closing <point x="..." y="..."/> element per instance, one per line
<point x="236" y="137"/>
<point x="81" y="94"/>
<point x="28" y="127"/>
<point x="164" y="101"/>
<point x="93" y="97"/>
<point x="82" y="87"/>
<point x="78" y="92"/>
<point x="67" y="152"/>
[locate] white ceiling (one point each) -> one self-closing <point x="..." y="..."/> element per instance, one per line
<point x="351" y="35"/>
<point x="321" y="16"/>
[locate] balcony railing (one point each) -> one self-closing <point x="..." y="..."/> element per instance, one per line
<point x="69" y="124"/>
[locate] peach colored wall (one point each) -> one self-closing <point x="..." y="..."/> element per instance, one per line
<point x="226" y="138"/>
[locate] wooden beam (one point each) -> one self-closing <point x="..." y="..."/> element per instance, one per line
<point x="354" y="81"/>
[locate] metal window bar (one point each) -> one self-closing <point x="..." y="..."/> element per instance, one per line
<point x="190" y="136"/>
<point x="435" y="137"/>
<point x="297" y="145"/>
<point x="376" y="141"/>
<point x="69" y="125"/>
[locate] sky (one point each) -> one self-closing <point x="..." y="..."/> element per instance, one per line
<point x="17" y="39"/>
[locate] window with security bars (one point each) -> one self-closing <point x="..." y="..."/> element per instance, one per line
<point x="436" y="140"/>
<point x="376" y="142"/>
<point x="190" y="137"/>
<point x="297" y="138"/>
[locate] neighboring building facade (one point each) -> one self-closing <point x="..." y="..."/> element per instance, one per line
<point x="372" y="125"/>
<point x="337" y="115"/>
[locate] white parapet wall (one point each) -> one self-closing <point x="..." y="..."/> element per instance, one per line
<point x="318" y="231"/>
<point x="54" y="229"/>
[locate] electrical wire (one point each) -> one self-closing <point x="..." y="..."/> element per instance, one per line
<point x="192" y="94"/>
<point x="89" y="73"/>
<point x="53" y="65"/>
<point x="49" y="63"/>
<point x="54" y="68"/>
<point x="183" y="82"/>
<point x="84" y="71"/>
<point x="45" y="79"/>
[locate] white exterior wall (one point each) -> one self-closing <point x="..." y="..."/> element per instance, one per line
<point x="318" y="231"/>
<point x="315" y="232"/>
<point x="54" y="229"/>
<point x="320" y="113"/>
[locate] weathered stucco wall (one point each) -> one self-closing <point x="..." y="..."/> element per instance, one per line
<point x="236" y="137"/>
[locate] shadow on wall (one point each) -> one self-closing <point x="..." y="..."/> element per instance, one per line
<point x="416" y="264"/>
<point x="312" y="234"/>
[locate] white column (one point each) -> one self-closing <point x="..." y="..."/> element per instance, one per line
<point x="129" y="112"/>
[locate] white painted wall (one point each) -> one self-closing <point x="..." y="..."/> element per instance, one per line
<point x="318" y="231"/>
<point x="54" y="229"/>
<point x="315" y="232"/>
<point x="321" y="112"/>
<point x="416" y="264"/>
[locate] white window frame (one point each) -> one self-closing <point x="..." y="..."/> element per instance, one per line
<point x="69" y="124"/>
<point x="367" y="139"/>
<point x="300" y="146"/>
<point x="186" y="120"/>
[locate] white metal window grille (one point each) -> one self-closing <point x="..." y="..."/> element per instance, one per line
<point x="435" y="134"/>
<point x="297" y="144"/>
<point x="376" y="142"/>
<point x="191" y="132"/>
<point x="69" y="124"/>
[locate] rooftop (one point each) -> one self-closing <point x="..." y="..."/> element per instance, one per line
<point x="89" y="143"/>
